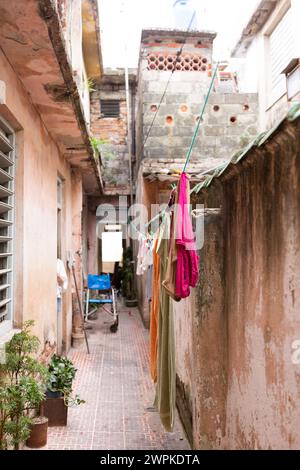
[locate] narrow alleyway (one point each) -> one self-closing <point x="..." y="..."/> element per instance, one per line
<point x="114" y="381"/>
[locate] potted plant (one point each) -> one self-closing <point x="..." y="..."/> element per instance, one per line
<point x="38" y="432"/>
<point x="59" y="391"/>
<point x="22" y="388"/>
<point x="128" y="288"/>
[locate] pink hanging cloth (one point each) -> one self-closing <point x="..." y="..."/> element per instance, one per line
<point x="187" y="258"/>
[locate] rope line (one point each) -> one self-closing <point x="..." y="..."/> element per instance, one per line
<point x="200" y="118"/>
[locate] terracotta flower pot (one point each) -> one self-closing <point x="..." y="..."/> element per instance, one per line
<point x="56" y="411"/>
<point x="38" y="433"/>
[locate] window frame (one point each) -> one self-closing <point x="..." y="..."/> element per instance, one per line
<point x="273" y="95"/>
<point x="7" y="324"/>
<point x="113" y="115"/>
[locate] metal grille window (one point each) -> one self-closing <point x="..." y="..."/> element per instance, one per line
<point x="281" y="52"/>
<point x="7" y="154"/>
<point x="110" y="108"/>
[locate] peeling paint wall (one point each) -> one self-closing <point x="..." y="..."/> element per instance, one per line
<point x="38" y="164"/>
<point x="245" y="310"/>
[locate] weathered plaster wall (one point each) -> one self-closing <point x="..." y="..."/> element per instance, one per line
<point x="263" y="284"/>
<point x="37" y="166"/>
<point x="245" y="313"/>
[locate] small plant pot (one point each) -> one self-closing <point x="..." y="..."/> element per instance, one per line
<point x="38" y="433"/>
<point x="131" y="303"/>
<point x="56" y="411"/>
<point x="50" y="394"/>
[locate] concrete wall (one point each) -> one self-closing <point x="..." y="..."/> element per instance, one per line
<point x="230" y="120"/>
<point x="38" y="165"/>
<point x="236" y="375"/>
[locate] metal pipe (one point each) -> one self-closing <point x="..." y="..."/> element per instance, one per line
<point x="129" y="134"/>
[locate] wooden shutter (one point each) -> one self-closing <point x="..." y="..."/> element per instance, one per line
<point x="7" y="150"/>
<point x="281" y="52"/>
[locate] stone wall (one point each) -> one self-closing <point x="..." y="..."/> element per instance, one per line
<point x="235" y="364"/>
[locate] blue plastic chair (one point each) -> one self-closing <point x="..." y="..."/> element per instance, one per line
<point x="105" y="295"/>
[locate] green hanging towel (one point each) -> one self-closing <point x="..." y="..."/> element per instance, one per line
<point x="166" y="372"/>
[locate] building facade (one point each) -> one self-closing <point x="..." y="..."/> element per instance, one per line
<point x="270" y="49"/>
<point x="48" y="164"/>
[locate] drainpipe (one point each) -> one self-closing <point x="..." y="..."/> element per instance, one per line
<point x="129" y="134"/>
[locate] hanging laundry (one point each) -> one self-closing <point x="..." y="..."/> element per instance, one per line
<point x="166" y="372"/>
<point x="187" y="259"/>
<point x="145" y="255"/>
<point x="149" y="275"/>
<point x="154" y="312"/>
<point x="169" y="283"/>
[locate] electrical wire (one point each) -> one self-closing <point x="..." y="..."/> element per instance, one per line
<point x="178" y="54"/>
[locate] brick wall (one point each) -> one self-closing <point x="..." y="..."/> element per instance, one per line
<point x="114" y="153"/>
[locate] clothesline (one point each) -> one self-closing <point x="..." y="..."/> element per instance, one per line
<point x="200" y="118"/>
<point x="189" y="153"/>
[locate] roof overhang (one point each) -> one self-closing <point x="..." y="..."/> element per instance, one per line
<point x="254" y="25"/>
<point x="176" y="34"/>
<point x="91" y="39"/>
<point x="169" y="169"/>
<point x="32" y="40"/>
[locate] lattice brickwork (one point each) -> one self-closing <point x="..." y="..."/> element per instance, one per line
<point x="185" y="62"/>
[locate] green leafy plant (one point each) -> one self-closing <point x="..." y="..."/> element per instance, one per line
<point x="91" y="84"/>
<point x="61" y="375"/>
<point x="96" y="143"/>
<point x="22" y="387"/>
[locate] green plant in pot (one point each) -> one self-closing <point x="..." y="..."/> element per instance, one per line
<point x="60" y="383"/>
<point x="59" y="391"/>
<point x="22" y="388"/>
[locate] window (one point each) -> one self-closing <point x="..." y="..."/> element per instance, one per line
<point x="110" y="108"/>
<point x="7" y="157"/>
<point x="281" y="43"/>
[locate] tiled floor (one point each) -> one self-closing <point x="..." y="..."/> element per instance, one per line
<point x="114" y="381"/>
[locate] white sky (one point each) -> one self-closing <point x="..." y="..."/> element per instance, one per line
<point x="122" y="22"/>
